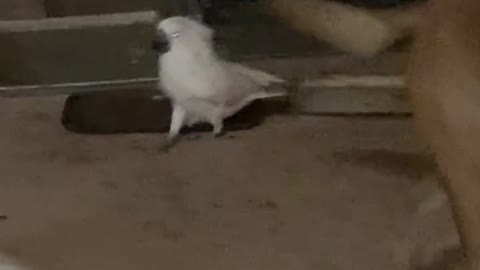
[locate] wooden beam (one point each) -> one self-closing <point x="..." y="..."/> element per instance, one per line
<point x="352" y="94"/>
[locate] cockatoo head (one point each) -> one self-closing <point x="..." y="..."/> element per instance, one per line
<point x="181" y="29"/>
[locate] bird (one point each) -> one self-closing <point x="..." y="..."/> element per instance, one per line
<point x="203" y="87"/>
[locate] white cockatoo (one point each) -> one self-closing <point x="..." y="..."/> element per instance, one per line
<point x="203" y="87"/>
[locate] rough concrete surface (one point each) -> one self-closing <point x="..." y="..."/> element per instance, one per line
<point x="295" y="193"/>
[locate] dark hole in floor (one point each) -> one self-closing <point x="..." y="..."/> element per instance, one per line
<point x="132" y="112"/>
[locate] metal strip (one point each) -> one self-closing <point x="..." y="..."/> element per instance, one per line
<point x="76" y="88"/>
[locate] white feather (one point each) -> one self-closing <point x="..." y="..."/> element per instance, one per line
<point x="261" y="77"/>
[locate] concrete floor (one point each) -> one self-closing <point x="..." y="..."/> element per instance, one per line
<point x="296" y="193"/>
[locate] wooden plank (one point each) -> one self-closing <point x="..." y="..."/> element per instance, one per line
<point x="346" y="94"/>
<point x="77" y="49"/>
<point x="351" y="101"/>
<point x="314" y="67"/>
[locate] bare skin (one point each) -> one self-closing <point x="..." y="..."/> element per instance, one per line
<point x="445" y="85"/>
<point x="360" y="31"/>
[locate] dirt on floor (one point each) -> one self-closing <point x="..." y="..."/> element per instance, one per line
<point x="295" y="193"/>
